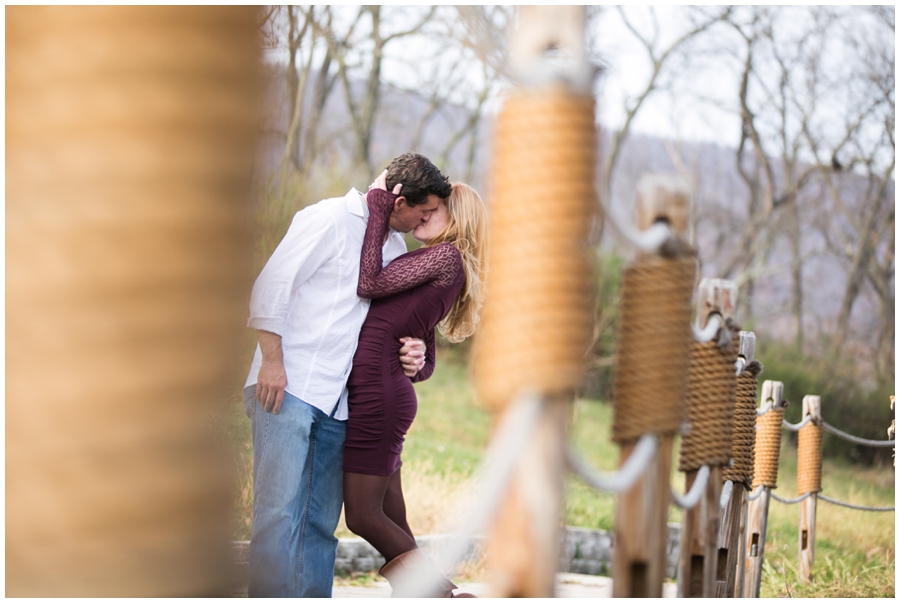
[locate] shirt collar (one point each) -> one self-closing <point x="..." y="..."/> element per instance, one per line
<point x="356" y="204"/>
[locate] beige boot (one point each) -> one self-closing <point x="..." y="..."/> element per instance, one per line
<point x="406" y="570"/>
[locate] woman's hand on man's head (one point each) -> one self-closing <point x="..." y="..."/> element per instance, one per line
<point x="380" y="183"/>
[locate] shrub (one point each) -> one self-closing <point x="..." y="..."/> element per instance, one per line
<point x="848" y="403"/>
<point x="600" y="359"/>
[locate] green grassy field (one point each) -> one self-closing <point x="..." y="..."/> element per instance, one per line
<point x="854" y="549"/>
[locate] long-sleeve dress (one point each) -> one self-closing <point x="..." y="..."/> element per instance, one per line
<point x="411" y="295"/>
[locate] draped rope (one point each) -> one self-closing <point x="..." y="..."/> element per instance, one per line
<point x="628" y="473"/>
<point x="791" y="501"/>
<point x="856" y="440"/>
<point x="797" y="426"/>
<point x="851" y="506"/>
<point x="690" y="498"/>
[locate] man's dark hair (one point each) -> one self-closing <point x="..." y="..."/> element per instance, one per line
<point x="419" y="178"/>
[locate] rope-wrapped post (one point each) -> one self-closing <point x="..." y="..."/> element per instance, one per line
<point x="649" y="382"/>
<point x="536" y="317"/>
<point x="740" y="473"/>
<point x="809" y="479"/>
<point x="130" y="139"/>
<point x="765" y="476"/>
<point x="710" y="409"/>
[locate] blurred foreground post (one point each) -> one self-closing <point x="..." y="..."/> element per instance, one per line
<point x="765" y="476"/>
<point x="710" y="410"/>
<point x="129" y="147"/>
<point x="536" y="318"/>
<point x="809" y="479"/>
<point x="650" y="378"/>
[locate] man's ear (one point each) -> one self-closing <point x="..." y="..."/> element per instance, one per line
<point x="398" y="201"/>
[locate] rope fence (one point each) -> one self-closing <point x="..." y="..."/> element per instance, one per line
<point x="672" y="376"/>
<point x="710" y="376"/>
<point x="516" y="430"/>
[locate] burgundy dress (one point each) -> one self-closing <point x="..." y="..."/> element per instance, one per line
<point x="411" y="295"/>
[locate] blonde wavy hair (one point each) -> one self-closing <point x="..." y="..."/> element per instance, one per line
<point x="467" y="231"/>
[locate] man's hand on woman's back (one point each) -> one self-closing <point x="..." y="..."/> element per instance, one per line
<point x="412" y="355"/>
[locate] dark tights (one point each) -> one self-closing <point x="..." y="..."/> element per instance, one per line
<point x="375" y="510"/>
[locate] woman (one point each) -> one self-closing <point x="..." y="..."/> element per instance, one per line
<point x="439" y="285"/>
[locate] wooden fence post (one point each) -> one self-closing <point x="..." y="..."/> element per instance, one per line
<point x="641" y="533"/>
<point x="700" y="524"/>
<point x="812" y="406"/>
<point x="758" y="509"/>
<point x="545" y="142"/>
<point x="130" y="140"/>
<point x="730" y="531"/>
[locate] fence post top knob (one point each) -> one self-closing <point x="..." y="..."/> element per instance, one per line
<point x="747" y="348"/>
<point x="812" y="405"/>
<point x="716" y="295"/>
<point x="663" y="197"/>
<point x="774" y="390"/>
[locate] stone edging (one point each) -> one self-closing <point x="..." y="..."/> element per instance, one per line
<point x="582" y="551"/>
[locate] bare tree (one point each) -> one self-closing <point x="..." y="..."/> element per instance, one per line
<point x="856" y="169"/>
<point x="658" y="54"/>
<point x="362" y="57"/>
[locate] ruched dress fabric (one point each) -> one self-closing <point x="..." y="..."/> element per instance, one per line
<point x="411" y="295"/>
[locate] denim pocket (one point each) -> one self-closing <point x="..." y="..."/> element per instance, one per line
<point x="250" y="403"/>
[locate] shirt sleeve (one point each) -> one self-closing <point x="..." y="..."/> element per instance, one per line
<point x="439" y="264"/>
<point x="430" y="350"/>
<point x="310" y="241"/>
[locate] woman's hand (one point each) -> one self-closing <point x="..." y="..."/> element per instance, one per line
<point x="380" y="183"/>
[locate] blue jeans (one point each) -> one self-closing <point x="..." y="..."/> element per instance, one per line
<point x="297" y="497"/>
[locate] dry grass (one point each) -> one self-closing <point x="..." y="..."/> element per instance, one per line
<point x="432" y="499"/>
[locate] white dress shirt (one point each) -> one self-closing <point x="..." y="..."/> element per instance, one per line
<point x="306" y="293"/>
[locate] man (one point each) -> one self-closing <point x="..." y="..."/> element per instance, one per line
<point x="308" y="316"/>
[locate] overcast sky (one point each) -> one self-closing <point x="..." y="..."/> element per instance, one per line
<point x="702" y="106"/>
<point x="628" y="70"/>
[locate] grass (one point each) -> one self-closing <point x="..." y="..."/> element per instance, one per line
<point x="854" y="549"/>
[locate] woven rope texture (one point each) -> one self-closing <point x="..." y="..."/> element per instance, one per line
<point x="130" y="138"/>
<point x="536" y="318"/>
<point x="743" y="444"/>
<point x="768" y="446"/>
<point x="710" y="405"/>
<point x="809" y="459"/>
<point x="654" y="339"/>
